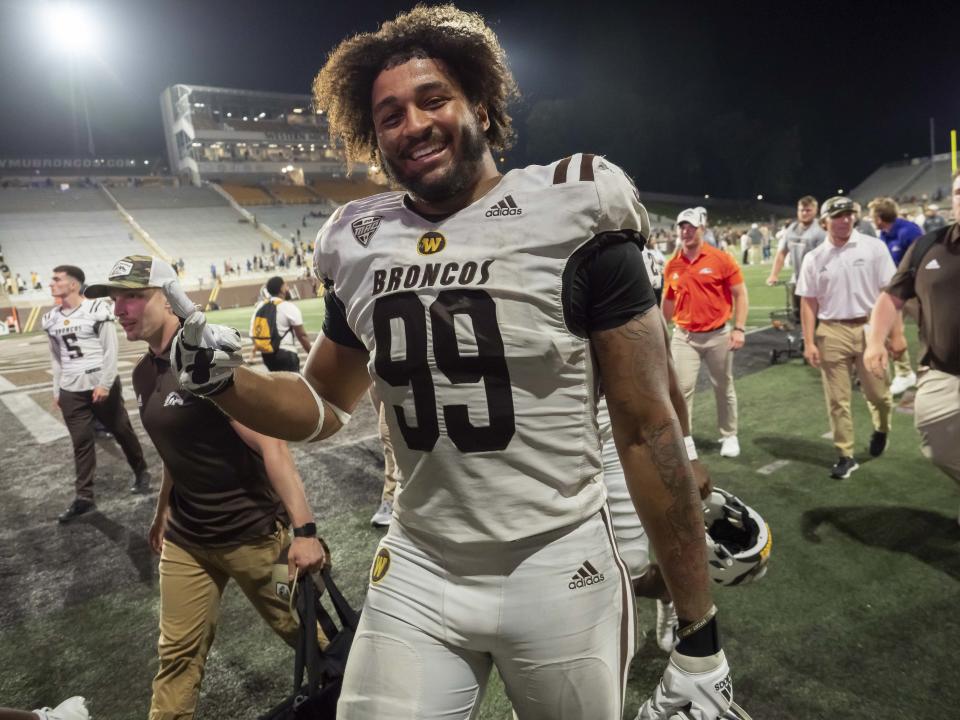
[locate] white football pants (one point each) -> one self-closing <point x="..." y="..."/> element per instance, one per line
<point x="554" y="613"/>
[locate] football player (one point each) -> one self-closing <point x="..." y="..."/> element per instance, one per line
<point x="486" y="308"/>
<point x="83" y="350"/>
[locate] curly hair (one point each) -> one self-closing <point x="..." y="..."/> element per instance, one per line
<point x="460" y="39"/>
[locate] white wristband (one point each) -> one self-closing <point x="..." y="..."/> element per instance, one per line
<point x="691" y="448"/>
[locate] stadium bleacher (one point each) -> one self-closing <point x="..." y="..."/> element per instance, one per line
<point x="38" y="200"/>
<point x="345" y="190"/>
<point x="166" y="198"/>
<point x="248" y="194"/>
<point x="91" y="240"/>
<point x="285" y="220"/>
<point x="292" y="194"/>
<point x="201" y="236"/>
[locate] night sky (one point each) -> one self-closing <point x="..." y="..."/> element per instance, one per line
<point x="730" y="98"/>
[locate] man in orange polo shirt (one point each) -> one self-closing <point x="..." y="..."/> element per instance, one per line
<point x="703" y="288"/>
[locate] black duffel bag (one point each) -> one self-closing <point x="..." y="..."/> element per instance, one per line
<point x="317" y="698"/>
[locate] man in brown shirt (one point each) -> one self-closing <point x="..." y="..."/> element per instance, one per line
<point x="934" y="283"/>
<point x="227" y="496"/>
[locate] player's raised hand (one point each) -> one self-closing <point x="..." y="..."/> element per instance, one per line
<point x="693" y="688"/>
<point x="204" y="356"/>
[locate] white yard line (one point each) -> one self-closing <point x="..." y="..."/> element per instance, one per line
<point x="43" y="426"/>
<point x="772" y="467"/>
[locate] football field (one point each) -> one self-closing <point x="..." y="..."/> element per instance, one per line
<point x="855" y="618"/>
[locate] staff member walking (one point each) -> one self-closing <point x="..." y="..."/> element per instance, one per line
<point x="839" y="282"/>
<point x="932" y="278"/>
<point x="704" y="288"/>
<point x="898" y="234"/>
<point x="226" y="498"/>
<point x="799" y="238"/>
<point x="83" y="350"/>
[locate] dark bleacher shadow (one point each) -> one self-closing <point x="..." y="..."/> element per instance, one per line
<point x="930" y="537"/>
<point x="133" y="543"/>
<point x="789" y="447"/>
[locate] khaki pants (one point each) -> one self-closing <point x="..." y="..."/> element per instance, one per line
<point x="713" y="348"/>
<point x="841" y="346"/>
<point x="390" y="471"/>
<point x="901" y="366"/>
<point x="937" y="418"/>
<point x="191" y="586"/>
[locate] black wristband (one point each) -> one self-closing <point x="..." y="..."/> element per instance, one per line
<point x="740" y="329"/>
<point x="307" y="530"/>
<point x="703" y="642"/>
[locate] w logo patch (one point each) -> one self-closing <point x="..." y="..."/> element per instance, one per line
<point x="364" y="228"/>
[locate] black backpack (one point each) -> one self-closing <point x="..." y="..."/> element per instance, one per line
<point x="266" y="333"/>
<point x="317" y="698"/>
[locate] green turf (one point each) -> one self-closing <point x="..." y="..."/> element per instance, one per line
<point x="312" y="309"/>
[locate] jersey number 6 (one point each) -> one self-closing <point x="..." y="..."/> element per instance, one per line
<point x="413" y="369"/>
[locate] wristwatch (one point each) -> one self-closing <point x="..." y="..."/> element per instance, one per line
<point x="307" y="530"/>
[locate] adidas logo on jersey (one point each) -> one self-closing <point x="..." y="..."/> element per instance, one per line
<point x="173" y="399"/>
<point x="586" y="575"/>
<point x="505" y="207"/>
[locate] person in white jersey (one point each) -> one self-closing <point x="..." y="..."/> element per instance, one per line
<point x="83" y="354"/>
<point x="487" y="309"/>
<point x="839" y="282"/>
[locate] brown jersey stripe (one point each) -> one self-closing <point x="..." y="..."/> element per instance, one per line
<point x="560" y="173"/>
<point x="628" y="626"/>
<point x="586" y="167"/>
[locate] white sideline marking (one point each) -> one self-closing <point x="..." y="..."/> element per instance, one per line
<point x="42" y="425"/>
<point x="772" y="467"/>
<point x="828" y="435"/>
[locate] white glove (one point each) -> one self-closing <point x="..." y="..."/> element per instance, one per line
<point x="205" y="356"/>
<point x="74" y="708"/>
<point x="693" y="688"/>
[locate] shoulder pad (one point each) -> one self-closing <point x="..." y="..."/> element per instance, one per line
<point x="620" y="206"/>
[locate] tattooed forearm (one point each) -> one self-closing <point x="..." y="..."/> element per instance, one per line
<point x="636" y="374"/>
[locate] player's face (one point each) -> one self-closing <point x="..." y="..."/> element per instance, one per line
<point x="61" y="284"/>
<point x="841" y="226"/>
<point x="430" y="138"/>
<point x="956" y="199"/>
<point x="141" y="313"/>
<point x="806" y="213"/>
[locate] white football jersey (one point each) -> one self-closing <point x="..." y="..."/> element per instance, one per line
<point x="75" y="340"/>
<point x="490" y="394"/>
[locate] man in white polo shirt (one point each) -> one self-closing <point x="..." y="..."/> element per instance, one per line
<point x="838" y="284"/>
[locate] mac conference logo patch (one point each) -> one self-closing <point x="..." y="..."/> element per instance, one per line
<point x="364" y="228"/>
<point x="381" y="564"/>
<point x="431" y="243"/>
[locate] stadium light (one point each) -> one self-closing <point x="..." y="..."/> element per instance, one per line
<point x="706" y="196"/>
<point x="839" y="191"/>
<point x="69" y="28"/>
<point x="760" y="197"/>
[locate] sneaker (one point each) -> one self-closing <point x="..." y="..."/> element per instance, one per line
<point x="383" y="515"/>
<point x="902" y="383"/>
<point x="74" y="708"/>
<point x="730" y="447"/>
<point x="141" y="483"/>
<point x="878" y="443"/>
<point x="667" y="626"/>
<point x="77" y="508"/>
<point x="845" y="465"/>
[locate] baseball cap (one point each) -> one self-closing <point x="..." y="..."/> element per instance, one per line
<point x="134" y="272"/>
<point x="837" y="206"/>
<point x="933" y="206"/>
<point x="692" y="216"/>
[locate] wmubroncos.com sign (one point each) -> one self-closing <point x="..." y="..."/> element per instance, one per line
<point x="74" y="166"/>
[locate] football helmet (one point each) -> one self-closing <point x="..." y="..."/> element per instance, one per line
<point x="738" y="539"/>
